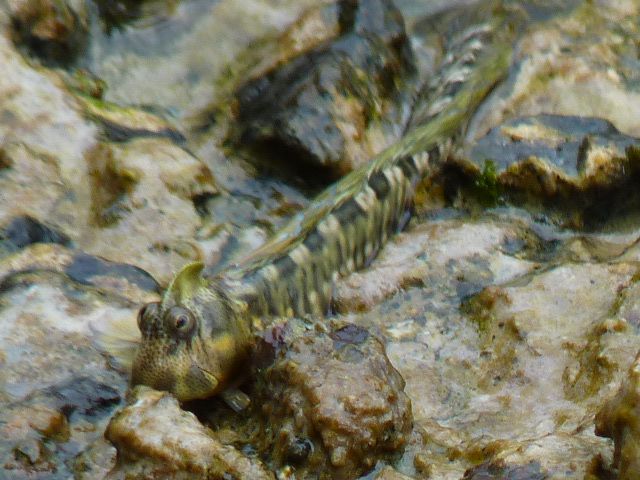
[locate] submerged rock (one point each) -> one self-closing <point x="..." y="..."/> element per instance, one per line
<point x="619" y="420"/>
<point x="333" y="403"/>
<point x="325" y="108"/>
<point x="156" y="439"/>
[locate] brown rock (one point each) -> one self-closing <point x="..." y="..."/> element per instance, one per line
<point x="389" y="473"/>
<point x="619" y="419"/>
<point x="156" y="439"/>
<point x="54" y="30"/>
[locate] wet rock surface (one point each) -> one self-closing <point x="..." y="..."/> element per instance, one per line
<point x="155" y="438"/>
<point x="54" y="31"/>
<point x="506" y="315"/>
<point x="56" y="388"/>
<point x="45" y="428"/>
<point x="325" y="108"/>
<point x="25" y="230"/>
<point x="618" y="420"/>
<point x="581" y="170"/>
<point x="332" y="402"/>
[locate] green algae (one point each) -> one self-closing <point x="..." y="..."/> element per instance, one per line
<point x="487" y="186"/>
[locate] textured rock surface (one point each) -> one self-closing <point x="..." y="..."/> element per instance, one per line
<point x="510" y="331"/>
<point x="579" y="171"/>
<point x="619" y="420"/>
<point x="325" y="108"/>
<point x="39" y="431"/>
<point x="56" y="389"/>
<point x="156" y="439"/>
<point x="415" y="257"/>
<point x="56" y="170"/>
<point x="145" y="188"/>
<point x="339" y="393"/>
<point x="55" y="31"/>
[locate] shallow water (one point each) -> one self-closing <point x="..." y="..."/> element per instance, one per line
<point x="510" y="323"/>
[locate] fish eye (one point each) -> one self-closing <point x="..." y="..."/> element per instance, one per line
<point x="181" y="321"/>
<point x="146" y="312"/>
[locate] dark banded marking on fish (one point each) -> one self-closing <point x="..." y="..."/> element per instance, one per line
<point x="346" y="226"/>
<point x="196" y="342"/>
<point x="345" y="240"/>
<point x="455" y="69"/>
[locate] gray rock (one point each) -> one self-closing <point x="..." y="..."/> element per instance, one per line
<point x="578" y="171"/>
<point x="317" y="108"/>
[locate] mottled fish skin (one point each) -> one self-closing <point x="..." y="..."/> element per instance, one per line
<point x="344" y="229"/>
<point x="196" y="342"/>
<point x="300" y="280"/>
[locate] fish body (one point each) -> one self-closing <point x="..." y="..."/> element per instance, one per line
<point x="196" y="342"/>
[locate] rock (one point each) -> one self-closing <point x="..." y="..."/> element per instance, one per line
<point x="570" y="144"/>
<point x="88" y="190"/>
<point x="333" y="402"/>
<point x="156" y="439"/>
<point x="411" y="258"/>
<point x="90" y="270"/>
<point x="325" y="108"/>
<point x="120" y="124"/>
<point x="26" y="230"/>
<point x="578" y="171"/>
<point x="116" y="14"/>
<point x="55" y="315"/>
<point x="95" y="461"/>
<point x="618" y="420"/>
<point x="560" y="69"/>
<point x="56" y="389"/>
<point x="512" y="361"/>
<point x="500" y="471"/>
<point x="389" y="473"/>
<point x="147" y="186"/>
<point x="41" y="165"/>
<point x="118" y="279"/>
<point x="38" y="430"/>
<point x="55" y="31"/>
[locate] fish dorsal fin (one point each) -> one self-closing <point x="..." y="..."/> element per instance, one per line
<point x="185" y="284"/>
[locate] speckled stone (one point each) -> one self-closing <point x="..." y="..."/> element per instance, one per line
<point x="338" y="392"/>
<point x="157" y="439"/>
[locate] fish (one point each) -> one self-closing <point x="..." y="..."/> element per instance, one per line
<point x="196" y="341"/>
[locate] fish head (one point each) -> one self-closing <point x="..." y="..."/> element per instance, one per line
<point x="189" y="344"/>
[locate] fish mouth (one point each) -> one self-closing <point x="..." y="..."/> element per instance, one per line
<point x="198" y="383"/>
<point x="213" y="380"/>
<point x="206" y="374"/>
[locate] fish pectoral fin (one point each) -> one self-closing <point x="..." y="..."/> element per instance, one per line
<point x="117" y="338"/>
<point x="236" y="399"/>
